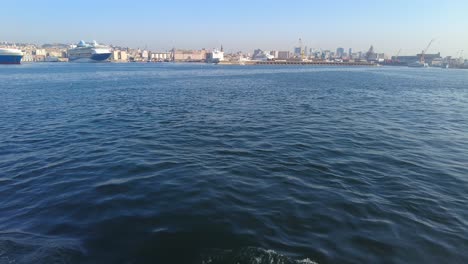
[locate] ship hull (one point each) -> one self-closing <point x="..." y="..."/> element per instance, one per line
<point x="100" y="57"/>
<point x="93" y="58"/>
<point x="10" y="59"/>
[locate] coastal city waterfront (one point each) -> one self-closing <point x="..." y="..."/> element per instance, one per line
<point x="299" y="55"/>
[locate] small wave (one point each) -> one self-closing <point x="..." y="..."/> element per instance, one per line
<point x="19" y="248"/>
<point x="249" y="255"/>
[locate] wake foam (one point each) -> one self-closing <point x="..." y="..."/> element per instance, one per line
<point x="249" y="255"/>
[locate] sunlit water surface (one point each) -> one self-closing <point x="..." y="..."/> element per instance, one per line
<point x="174" y="163"/>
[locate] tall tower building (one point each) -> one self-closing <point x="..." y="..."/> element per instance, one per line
<point x="339" y="52"/>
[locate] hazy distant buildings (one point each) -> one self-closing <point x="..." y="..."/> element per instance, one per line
<point x="55" y="53"/>
<point x="161" y="56"/>
<point x="123" y="56"/>
<point x="372" y="56"/>
<point x="145" y="55"/>
<point x="260" y="55"/>
<point x="428" y="58"/>
<point x="405" y="59"/>
<point x="119" y="56"/>
<point x="28" y="57"/>
<point x="339" y="52"/>
<point x="115" y="55"/>
<point x="283" y="55"/>
<point x="58" y="53"/>
<point x="297" y="51"/>
<point x="431" y="59"/>
<point x="40" y="52"/>
<point x="189" y="55"/>
<point x="274" y="53"/>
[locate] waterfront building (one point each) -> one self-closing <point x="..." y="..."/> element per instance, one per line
<point x="144" y="55"/>
<point x="40" y="52"/>
<point x="297" y="51"/>
<point x="134" y="55"/>
<point x="27" y="57"/>
<point x="39" y="58"/>
<point x="372" y="56"/>
<point x="375" y="57"/>
<point x="161" y="56"/>
<point x="283" y="55"/>
<point x="428" y="58"/>
<point x="274" y="53"/>
<point x="260" y="55"/>
<point x="119" y="56"/>
<point x="55" y="53"/>
<point x="326" y="55"/>
<point x="339" y="52"/>
<point x="51" y="59"/>
<point x="123" y="56"/>
<point x="189" y="55"/>
<point x="115" y="55"/>
<point x="405" y="59"/>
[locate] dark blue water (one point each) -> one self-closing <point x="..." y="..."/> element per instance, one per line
<point x="164" y="163"/>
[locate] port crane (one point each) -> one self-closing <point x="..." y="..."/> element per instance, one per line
<point x="302" y="49"/>
<point x="398" y="54"/>
<point x="425" y="50"/>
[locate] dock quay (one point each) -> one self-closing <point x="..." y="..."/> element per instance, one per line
<point x="324" y="63"/>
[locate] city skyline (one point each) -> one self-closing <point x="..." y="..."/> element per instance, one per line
<point x="244" y="26"/>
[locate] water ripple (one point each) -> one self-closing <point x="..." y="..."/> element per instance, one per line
<point x="175" y="163"/>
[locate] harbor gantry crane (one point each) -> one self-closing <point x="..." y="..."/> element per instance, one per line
<point x="425" y="50"/>
<point x="398" y="54"/>
<point x="302" y="49"/>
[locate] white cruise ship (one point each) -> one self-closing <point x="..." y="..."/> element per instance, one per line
<point x="89" y="52"/>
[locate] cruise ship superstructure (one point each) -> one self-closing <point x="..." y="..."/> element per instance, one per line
<point x="89" y="52"/>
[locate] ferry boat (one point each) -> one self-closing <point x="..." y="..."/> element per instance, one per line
<point x="10" y="56"/>
<point x="89" y="52"/>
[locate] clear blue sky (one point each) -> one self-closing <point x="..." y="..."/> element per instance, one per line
<point x="243" y="25"/>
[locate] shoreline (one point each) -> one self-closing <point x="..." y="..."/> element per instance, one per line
<point x="324" y="63"/>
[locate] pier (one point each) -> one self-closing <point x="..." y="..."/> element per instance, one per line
<point x="325" y="63"/>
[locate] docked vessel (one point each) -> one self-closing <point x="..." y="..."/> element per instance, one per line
<point x="89" y="52"/>
<point x="422" y="62"/>
<point x="10" y="56"/>
<point x="417" y="64"/>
